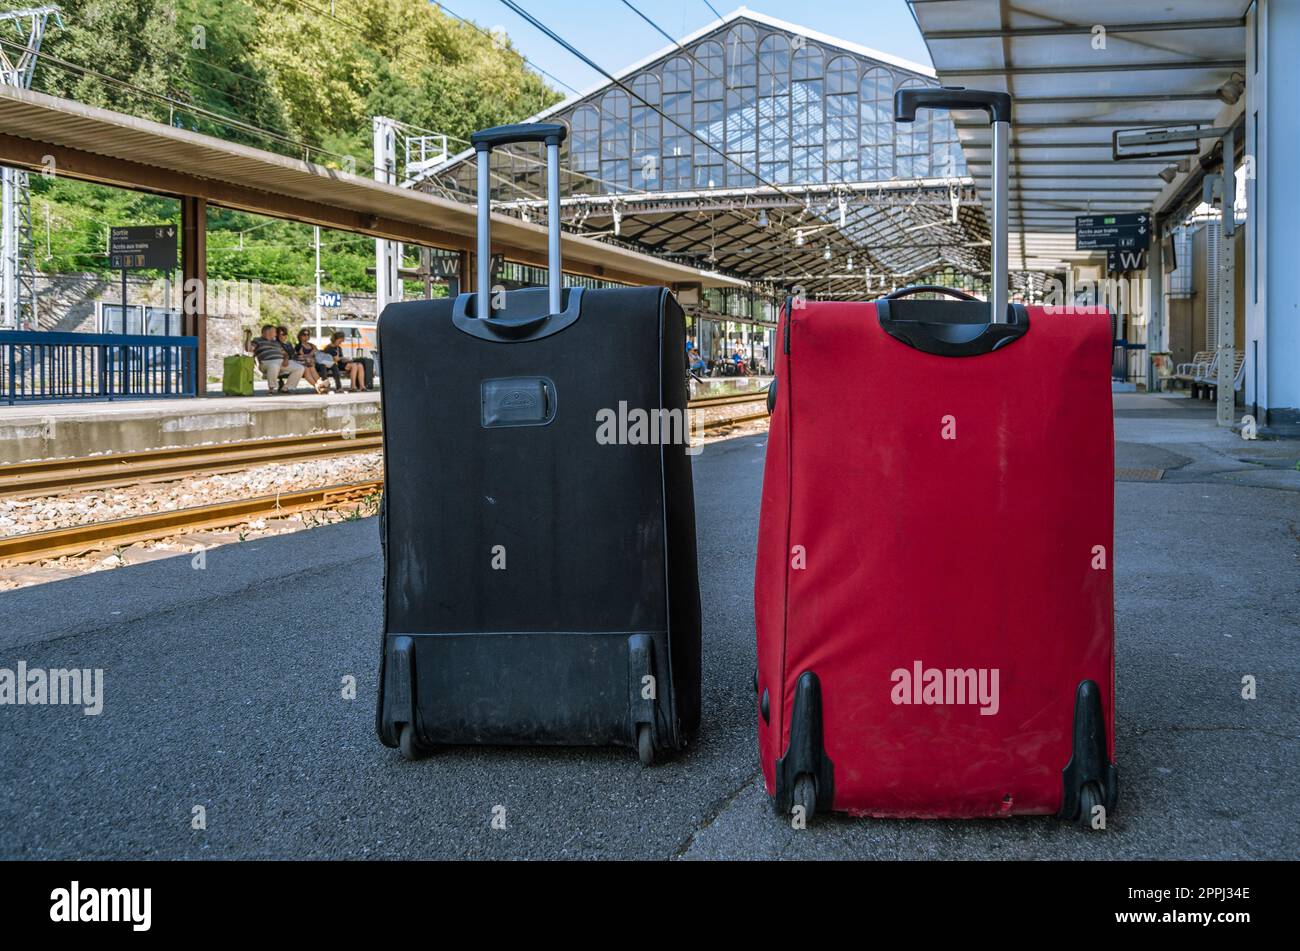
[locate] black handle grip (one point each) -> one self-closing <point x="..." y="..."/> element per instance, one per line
<point x="907" y="101"/>
<point x="928" y="289"/>
<point x="552" y="133"/>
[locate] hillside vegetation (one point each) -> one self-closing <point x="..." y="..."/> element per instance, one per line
<point x="300" y="77"/>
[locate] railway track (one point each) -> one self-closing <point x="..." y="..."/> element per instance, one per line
<point x="30" y="479"/>
<point x="59" y="475"/>
<point x="729" y="399"/>
<point x="39" y="546"/>
<point x="27" y="479"/>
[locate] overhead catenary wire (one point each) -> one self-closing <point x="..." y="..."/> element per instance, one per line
<point x="178" y="104"/>
<point x="442" y="7"/>
<point x="486" y="33"/>
<point x="555" y="37"/>
<point x="860" y="215"/>
<point x="470" y="23"/>
<point x="515" y="7"/>
<point x="561" y="41"/>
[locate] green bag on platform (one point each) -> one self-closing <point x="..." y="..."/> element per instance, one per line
<point x="237" y="376"/>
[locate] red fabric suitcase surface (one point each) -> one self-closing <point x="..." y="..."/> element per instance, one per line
<point x="930" y="513"/>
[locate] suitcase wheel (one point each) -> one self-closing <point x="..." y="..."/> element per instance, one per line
<point x="1089" y="798"/>
<point x="409" y="745"/>
<point x="645" y="744"/>
<point x="805" y="794"/>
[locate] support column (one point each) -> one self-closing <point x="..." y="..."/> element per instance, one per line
<point x="1272" y="238"/>
<point x="1155" y="303"/>
<point x="194" y="281"/>
<point x="464" y="267"/>
<point x="388" y="254"/>
<point x="1226" y="397"/>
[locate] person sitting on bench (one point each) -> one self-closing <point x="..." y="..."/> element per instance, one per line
<point x="353" y="368"/>
<point x="272" y="359"/>
<point x="305" y="353"/>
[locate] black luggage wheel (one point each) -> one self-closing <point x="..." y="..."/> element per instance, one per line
<point x="410" y="747"/>
<point x="1089" y="779"/>
<point x="805" y="795"/>
<point x="805" y="775"/>
<point x="645" y="744"/>
<point x="1089" y="798"/>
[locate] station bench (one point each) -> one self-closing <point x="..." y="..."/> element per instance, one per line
<point x="1193" y="372"/>
<point x="1201" y="374"/>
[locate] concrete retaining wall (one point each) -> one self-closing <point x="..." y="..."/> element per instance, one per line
<point x="64" y="431"/>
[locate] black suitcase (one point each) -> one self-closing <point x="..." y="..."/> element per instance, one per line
<point x="540" y="584"/>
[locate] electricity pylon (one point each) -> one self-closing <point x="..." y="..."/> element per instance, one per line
<point x="17" y="252"/>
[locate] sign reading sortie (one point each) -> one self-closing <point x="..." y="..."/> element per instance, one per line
<point x="1130" y="232"/>
<point x="144" y="246"/>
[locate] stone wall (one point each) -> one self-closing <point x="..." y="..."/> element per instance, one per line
<point x="66" y="302"/>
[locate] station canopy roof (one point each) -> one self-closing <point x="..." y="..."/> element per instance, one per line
<point x="759" y="149"/>
<point x="94" y="144"/>
<point x="1077" y="74"/>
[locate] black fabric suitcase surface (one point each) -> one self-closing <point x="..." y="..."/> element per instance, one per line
<point x="540" y="586"/>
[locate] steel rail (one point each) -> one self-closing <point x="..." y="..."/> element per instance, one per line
<point x="78" y="539"/>
<point x="55" y="543"/>
<point x="26" y="479"/>
<point x="48" y="477"/>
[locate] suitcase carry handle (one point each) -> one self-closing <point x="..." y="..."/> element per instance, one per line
<point x="948" y="328"/>
<point x="928" y="289"/>
<point x="484" y="141"/>
<point x="517" y="329"/>
<point x="998" y="107"/>
<point x="907" y="101"/>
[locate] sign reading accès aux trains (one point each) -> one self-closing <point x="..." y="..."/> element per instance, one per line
<point x="143" y="246"/>
<point x="1131" y="232"/>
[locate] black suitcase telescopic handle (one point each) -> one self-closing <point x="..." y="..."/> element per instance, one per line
<point x="484" y="141"/>
<point x="907" y="101"/>
<point x="548" y="132"/>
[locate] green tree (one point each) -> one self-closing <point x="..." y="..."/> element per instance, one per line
<point x="285" y="75"/>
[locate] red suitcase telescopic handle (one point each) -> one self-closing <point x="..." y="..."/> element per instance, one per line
<point x="998" y="106"/>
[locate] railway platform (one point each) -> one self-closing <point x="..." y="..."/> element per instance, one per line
<point x="65" y="430"/>
<point x="218" y="692"/>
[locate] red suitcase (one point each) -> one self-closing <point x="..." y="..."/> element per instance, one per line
<point x="933" y="592"/>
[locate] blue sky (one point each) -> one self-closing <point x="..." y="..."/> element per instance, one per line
<point x="615" y="37"/>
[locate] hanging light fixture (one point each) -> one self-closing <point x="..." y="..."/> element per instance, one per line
<point x="798" y="238"/>
<point x="762" y="218"/>
<point x="1231" y="91"/>
<point x="826" y="255"/>
<point x="849" y="263"/>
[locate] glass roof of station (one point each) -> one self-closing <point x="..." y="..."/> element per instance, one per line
<point x="760" y="149"/>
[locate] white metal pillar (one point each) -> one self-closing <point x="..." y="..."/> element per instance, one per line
<point x="9" y="243"/>
<point x="17" y="268"/>
<point x="1155" y="306"/>
<point x="388" y="254"/>
<point x="1227" y="264"/>
<point x="316" y="308"/>
<point x="1273" y="240"/>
